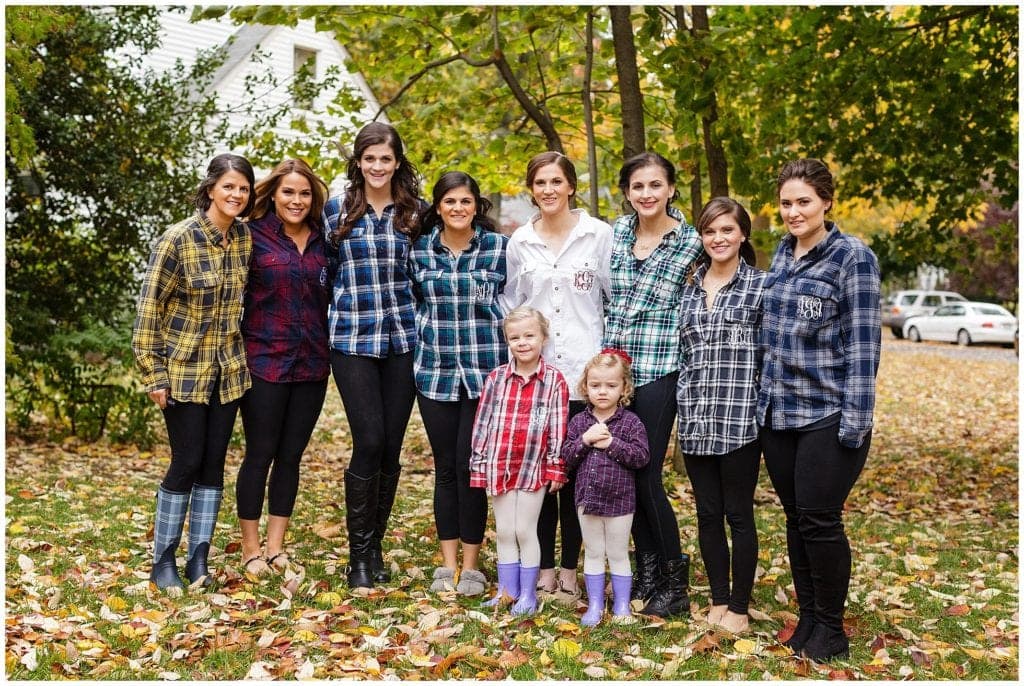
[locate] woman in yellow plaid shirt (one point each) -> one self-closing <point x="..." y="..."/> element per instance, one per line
<point x="188" y="344"/>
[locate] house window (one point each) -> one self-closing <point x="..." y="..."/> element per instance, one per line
<point x="304" y="73"/>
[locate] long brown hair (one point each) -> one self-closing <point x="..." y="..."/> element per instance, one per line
<point x="268" y="185"/>
<point x="404" y="183"/>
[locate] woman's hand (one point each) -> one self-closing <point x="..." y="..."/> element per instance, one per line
<point x="160" y="397"/>
<point x="554" y="486"/>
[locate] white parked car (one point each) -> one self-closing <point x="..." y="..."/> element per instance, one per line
<point x="963" y="323"/>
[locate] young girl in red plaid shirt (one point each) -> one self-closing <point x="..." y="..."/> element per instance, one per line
<point x="517" y="440"/>
<point x="605" y="444"/>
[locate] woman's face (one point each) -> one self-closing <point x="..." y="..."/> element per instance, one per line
<point x="378" y="164"/>
<point x="292" y="199"/>
<point x="457" y="208"/>
<point x="722" y="239"/>
<point x="551" y="190"/>
<point x="228" y="197"/>
<point x="802" y="210"/>
<point x="649" y="191"/>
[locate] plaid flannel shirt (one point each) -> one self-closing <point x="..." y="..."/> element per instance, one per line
<point x="519" y="429"/>
<point x="717" y="389"/>
<point x="285" y="321"/>
<point x="605" y="483"/>
<point x="822" y="332"/>
<point x="643" y="313"/>
<point x="458" y="320"/>
<point x="188" y="326"/>
<point x="372" y="311"/>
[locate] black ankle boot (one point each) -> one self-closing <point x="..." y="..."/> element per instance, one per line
<point x="826" y="643"/>
<point x="360" y="517"/>
<point x="646" y="578"/>
<point x="802" y="632"/>
<point x="672" y="595"/>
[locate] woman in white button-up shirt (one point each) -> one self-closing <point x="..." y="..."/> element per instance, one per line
<point x="558" y="263"/>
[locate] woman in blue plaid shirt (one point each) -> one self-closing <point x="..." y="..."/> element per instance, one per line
<point x="458" y="270"/>
<point x="652" y="249"/>
<point x="822" y="334"/>
<point x="371" y="321"/>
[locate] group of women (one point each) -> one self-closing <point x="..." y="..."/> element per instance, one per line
<point x="403" y="302"/>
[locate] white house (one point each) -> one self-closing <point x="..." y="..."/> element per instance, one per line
<point x="251" y="50"/>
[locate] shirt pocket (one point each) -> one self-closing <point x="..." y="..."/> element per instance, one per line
<point x="483" y="286"/>
<point x="814" y="309"/>
<point x="202" y="288"/>
<point x="740" y="327"/>
<point x="272" y="271"/>
<point x="583" y="277"/>
<point x="434" y="285"/>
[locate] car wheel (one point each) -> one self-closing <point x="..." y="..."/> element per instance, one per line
<point x="914" y="334"/>
<point x="962" y="337"/>
<point x="896" y="331"/>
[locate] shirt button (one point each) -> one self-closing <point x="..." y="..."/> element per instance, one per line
<point x="556" y="288"/>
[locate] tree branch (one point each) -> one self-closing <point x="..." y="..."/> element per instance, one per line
<point x="947" y="19"/>
<point x="422" y="72"/>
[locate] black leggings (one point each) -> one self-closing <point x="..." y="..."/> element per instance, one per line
<point x="655" y="528"/>
<point x="460" y="512"/>
<point x="723" y="487"/>
<point x="560" y="507"/>
<point x="378" y="394"/>
<point x="278" y="419"/>
<point x="813" y="475"/>
<point x="199" y="436"/>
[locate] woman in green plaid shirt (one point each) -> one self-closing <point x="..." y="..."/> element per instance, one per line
<point x="187" y="341"/>
<point x="652" y="249"/>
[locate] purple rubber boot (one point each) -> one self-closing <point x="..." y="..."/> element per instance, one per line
<point x="622" y="586"/>
<point x="508" y="583"/>
<point x="527" y="603"/>
<point x="595" y="599"/>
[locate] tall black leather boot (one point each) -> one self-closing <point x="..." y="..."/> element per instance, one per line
<point x="386" y="491"/>
<point x="672" y="595"/>
<point x="645" y="580"/>
<point x="360" y="518"/>
<point x="828" y="552"/>
<point x="803" y="584"/>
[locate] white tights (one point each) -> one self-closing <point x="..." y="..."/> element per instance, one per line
<point x="515" y="523"/>
<point x="605" y="537"/>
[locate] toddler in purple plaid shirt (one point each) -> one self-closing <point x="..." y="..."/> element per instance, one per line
<point x="604" y="445"/>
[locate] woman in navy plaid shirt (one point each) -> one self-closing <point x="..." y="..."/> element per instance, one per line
<point x="458" y="270"/>
<point x="371" y="321"/>
<point x="822" y="332"/>
<point x="717" y="395"/>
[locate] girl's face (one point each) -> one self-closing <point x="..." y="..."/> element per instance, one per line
<point x="292" y="199"/>
<point x="802" y="210"/>
<point x="378" y="164"/>
<point x="457" y="209"/>
<point x="649" y="191"/>
<point x="604" y="387"/>
<point x="551" y="190"/>
<point x="722" y="239"/>
<point x="228" y="197"/>
<point x="525" y="340"/>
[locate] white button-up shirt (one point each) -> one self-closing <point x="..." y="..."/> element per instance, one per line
<point x="569" y="288"/>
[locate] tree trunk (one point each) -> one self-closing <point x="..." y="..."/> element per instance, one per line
<point x="633" y="140"/>
<point x="696" y="201"/>
<point x="718" y="168"/>
<point x="588" y="115"/>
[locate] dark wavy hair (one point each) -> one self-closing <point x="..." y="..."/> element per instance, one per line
<point x="551" y="157"/>
<point x="637" y="162"/>
<point x="715" y="208"/>
<point x="449" y="181"/>
<point x="267" y="186"/>
<point x="814" y="173"/>
<point x="404" y="184"/>
<point x="219" y="166"/>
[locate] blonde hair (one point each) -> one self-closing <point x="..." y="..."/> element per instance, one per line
<point x="609" y="361"/>
<point x="522" y="312"/>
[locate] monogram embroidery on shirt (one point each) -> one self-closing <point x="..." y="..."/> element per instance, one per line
<point x="809" y="307"/>
<point x="323" y="276"/>
<point x="583" y="280"/>
<point x="482" y="292"/>
<point x="741" y="336"/>
<point x="538" y="416"/>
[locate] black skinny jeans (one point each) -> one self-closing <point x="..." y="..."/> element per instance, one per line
<point x="460" y="511"/>
<point x="378" y="394"/>
<point x="278" y="419"/>
<point x="655" y="528"/>
<point x="813" y="475"/>
<point x="560" y="506"/>
<point x="723" y="488"/>
<point x="199" y="436"/>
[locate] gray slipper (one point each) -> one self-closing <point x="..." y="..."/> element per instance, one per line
<point x="444" y="580"/>
<point x="471" y="582"/>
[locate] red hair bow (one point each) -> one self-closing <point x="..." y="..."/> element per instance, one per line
<point x="620" y="353"/>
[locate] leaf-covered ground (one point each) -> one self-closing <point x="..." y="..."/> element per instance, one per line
<point x="933" y="520"/>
